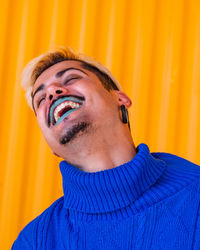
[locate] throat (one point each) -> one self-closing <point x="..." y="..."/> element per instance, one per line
<point x="63" y="111"/>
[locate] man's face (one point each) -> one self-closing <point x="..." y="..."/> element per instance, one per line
<point x="72" y="106"/>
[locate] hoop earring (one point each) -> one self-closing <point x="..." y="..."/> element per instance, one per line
<point x="124" y="114"/>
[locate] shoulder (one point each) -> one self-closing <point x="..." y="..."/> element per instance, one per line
<point x="180" y="170"/>
<point x="186" y="203"/>
<point x="176" y="162"/>
<point x="28" y="238"/>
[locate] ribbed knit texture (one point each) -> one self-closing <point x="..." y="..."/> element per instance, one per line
<point x="151" y="202"/>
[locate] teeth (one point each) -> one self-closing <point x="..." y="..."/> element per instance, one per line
<point x="63" y="105"/>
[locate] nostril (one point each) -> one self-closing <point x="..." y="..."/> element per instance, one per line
<point x="58" y="91"/>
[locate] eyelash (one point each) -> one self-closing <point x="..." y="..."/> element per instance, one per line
<point x="40" y="101"/>
<point x="72" y="78"/>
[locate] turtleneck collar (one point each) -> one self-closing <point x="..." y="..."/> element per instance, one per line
<point x="108" y="190"/>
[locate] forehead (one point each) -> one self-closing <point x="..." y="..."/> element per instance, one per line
<point x="50" y="73"/>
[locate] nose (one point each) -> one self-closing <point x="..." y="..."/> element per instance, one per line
<point x="53" y="91"/>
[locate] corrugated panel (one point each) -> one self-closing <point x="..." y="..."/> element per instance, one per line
<point x="153" y="49"/>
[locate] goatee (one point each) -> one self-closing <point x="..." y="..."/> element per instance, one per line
<point x="73" y="132"/>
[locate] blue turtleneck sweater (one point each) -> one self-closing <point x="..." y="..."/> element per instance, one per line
<point x="151" y="202"/>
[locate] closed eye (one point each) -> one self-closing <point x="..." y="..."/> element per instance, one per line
<point x="68" y="80"/>
<point x="40" y="101"/>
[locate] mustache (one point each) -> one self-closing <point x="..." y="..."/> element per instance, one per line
<point x="81" y="98"/>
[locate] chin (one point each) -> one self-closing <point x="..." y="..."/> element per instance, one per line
<point x="75" y="131"/>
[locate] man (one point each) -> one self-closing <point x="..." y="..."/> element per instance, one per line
<point x="116" y="196"/>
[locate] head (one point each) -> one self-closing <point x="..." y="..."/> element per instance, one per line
<point x="75" y="99"/>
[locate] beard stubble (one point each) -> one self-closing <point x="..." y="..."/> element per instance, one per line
<point x="74" y="132"/>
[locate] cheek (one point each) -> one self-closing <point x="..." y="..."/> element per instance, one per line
<point x="45" y="131"/>
<point x="103" y="109"/>
<point x="41" y="122"/>
<point x="103" y="100"/>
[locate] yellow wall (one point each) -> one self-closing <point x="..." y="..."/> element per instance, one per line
<point x="151" y="46"/>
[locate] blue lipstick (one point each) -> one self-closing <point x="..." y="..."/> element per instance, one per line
<point x="64" y="116"/>
<point x="67" y="113"/>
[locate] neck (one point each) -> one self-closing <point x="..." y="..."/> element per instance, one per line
<point x="106" y="153"/>
<point x="115" y="188"/>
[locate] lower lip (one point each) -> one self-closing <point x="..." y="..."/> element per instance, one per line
<point x="64" y="116"/>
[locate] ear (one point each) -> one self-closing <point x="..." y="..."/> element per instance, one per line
<point x="123" y="99"/>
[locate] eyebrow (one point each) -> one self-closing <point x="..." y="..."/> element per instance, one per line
<point x="58" y="75"/>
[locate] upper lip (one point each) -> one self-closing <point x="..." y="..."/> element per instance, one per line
<point x="56" y="101"/>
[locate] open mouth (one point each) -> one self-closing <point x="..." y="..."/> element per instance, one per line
<point x="62" y="108"/>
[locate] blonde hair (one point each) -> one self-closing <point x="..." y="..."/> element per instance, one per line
<point x="36" y="66"/>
